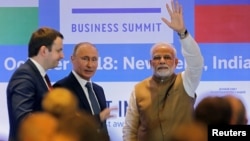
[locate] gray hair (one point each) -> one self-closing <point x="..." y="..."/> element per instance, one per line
<point x="163" y="44"/>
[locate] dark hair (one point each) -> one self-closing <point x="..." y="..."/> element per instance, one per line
<point x="241" y="113"/>
<point x="43" y="36"/>
<point x="213" y="111"/>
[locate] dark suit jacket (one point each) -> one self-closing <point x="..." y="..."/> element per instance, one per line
<point x="71" y="83"/>
<point x="25" y="91"/>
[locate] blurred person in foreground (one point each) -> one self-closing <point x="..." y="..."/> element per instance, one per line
<point x="60" y="102"/>
<point x="78" y="127"/>
<point x="213" y="110"/>
<point x="192" y="131"/>
<point x="39" y="126"/>
<point x="28" y="84"/>
<point x="239" y="113"/>
<point x="85" y="62"/>
<point x="163" y="101"/>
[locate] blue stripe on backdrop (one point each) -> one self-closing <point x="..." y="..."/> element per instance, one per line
<point x="49" y="13"/>
<point x="114" y="10"/>
<point x="130" y="62"/>
<point x="226" y="62"/>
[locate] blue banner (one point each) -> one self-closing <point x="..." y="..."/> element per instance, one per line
<point x="130" y="62"/>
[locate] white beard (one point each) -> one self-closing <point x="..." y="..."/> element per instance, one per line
<point x="164" y="72"/>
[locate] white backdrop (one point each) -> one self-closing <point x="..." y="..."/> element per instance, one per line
<point x="123" y="38"/>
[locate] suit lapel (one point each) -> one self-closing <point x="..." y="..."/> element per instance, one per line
<point x="83" y="102"/>
<point x="37" y="73"/>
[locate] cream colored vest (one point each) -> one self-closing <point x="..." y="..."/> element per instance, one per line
<point x="161" y="111"/>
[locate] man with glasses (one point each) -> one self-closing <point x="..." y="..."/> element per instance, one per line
<point x="165" y="100"/>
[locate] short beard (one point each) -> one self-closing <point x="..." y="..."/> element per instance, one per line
<point x="164" y="74"/>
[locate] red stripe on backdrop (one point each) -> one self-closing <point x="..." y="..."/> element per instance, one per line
<point x="222" y="24"/>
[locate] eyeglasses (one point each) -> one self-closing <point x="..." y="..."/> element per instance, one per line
<point x="166" y="57"/>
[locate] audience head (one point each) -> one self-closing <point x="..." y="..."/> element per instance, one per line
<point x="78" y="127"/>
<point x="39" y="126"/>
<point x="85" y="60"/>
<point x="239" y="114"/>
<point x="213" y="110"/>
<point x="46" y="47"/>
<point x="60" y="102"/>
<point x="163" y="60"/>
<point x="194" y="131"/>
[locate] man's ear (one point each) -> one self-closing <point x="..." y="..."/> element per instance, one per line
<point x="72" y="58"/>
<point x="176" y="61"/>
<point x="151" y="63"/>
<point x="43" y="50"/>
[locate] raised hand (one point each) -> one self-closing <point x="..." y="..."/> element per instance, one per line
<point x="176" y="15"/>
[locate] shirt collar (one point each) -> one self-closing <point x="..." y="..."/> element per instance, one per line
<point x="80" y="79"/>
<point x="39" y="67"/>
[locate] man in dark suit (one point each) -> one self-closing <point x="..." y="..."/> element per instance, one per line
<point x="28" y="84"/>
<point x="85" y="62"/>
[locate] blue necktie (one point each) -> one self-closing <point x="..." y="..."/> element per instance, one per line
<point x="92" y="98"/>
